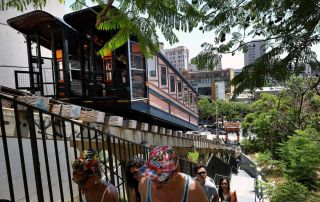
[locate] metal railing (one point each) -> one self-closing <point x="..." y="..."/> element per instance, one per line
<point x="251" y="168"/>
<point x="217" y="167"/>
<point x="38" y="148"/>
<point x="38" y="156"/>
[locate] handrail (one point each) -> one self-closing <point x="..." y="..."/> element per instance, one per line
<point x="6" y="92"/>
<point x="117" y="151"/>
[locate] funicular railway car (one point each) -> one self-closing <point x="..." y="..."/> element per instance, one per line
<point x="122" y="82"/>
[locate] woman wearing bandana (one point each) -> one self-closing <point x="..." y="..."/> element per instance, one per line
<point x="162" y="182"/>
<point x="87" y="174"/>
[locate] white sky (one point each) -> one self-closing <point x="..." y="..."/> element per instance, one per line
<point x="193" y="42"/>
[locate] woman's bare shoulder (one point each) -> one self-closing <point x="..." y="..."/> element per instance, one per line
<point x="111" y="193"/>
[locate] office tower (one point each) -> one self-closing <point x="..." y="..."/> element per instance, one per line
<point x="255" y="50"/>
<point x="178" y="57"/>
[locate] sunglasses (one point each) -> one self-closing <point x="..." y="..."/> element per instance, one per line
<point x="201" y="173"/>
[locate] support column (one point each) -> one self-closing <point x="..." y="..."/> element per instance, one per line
<point x="238" y="136"/>
<point x="226" y="136"/>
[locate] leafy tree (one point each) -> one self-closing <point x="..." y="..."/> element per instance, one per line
<point x="268" y="166"/>
<point x="291" y="192"/>
<point x="133" y="18"/>
<point x="22" y="5"/>
<point x="300" y="156"/>
<point x="288" y="29"/>
<point x="231" y="110"/>
<point x="275" y="117"/>
<point x="206" y="108"/>
<point x="262" y="122"/>
<point x="302" y="102"/>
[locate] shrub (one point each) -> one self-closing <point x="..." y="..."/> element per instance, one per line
<point x="292" y="192"/>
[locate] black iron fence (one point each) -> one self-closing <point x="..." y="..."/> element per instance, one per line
<point x="37" y="148"/>
<point x="222" y="167"/>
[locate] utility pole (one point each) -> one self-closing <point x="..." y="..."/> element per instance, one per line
<point x="217" y="122"/>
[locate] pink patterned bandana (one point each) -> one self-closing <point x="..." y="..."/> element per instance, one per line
<point x="162" y="162"/>
<point x="163" y="159"/>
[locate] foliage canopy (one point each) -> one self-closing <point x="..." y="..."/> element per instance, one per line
<point x="140" y="19"/>
<point x="276" y="117"/>
<point x="292" y="191"/>
<point x="231" y="110"/>
<point x="288" y="29"/>
<point x="300" y="155"/>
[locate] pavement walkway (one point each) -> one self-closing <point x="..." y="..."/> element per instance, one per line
<point x="244" y="186"/>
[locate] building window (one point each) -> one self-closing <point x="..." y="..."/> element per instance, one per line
<point x="190" y="99"/>
<point x="185" y="95"/>
<point x="138" y="72"/>
<point x="163" y="75"/>
<point x="179" y="89"/>
<point x="172" y="84"/>
<point x="152" y="67"/>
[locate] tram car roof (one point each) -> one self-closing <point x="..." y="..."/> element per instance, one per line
<point x="26" y="24"/>
<point x="83" y="18"/>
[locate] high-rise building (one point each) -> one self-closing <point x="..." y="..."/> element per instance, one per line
<point x="218" y="62"/>
<point x="192" y="67"/>
<point x="255" y="50"/>
<point x="178" y="57"/>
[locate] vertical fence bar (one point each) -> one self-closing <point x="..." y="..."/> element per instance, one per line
<point x="6" y="153"/>
<point x="35" y="154"/>
<point x="104" y="157"/>
<point x="67" y="158"/>
<point x="123" y="166"/>
<point x="22" y="161"/>
<point x="96" y="139"/>
<point x="132" y="149"/>
<point x="115" y="157"/>
<point x="81" y="135"/>
<point x="110" y="157"/>
<point x="45" y="155"/>
<point x="89" y="138"/>
<point x="124" y="151"/>
<point x="143" y="152"/>
<point x="75" y="151"/>
<point x="129" y="153"/>
<point x="137" y="150"/>
<point x="119" y="148"/>
<point x="74" y="141"/>
<point x="57" y="157"/>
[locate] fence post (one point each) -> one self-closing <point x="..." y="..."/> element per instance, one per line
<point x="35" y="154"/>
<point x="110" y="157"/>
<point x="6" y="153"/>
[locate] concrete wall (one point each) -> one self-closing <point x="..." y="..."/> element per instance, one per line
<point x="248" y="165"/>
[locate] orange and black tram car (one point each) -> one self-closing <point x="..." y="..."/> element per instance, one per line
<point x="64" y="64"/>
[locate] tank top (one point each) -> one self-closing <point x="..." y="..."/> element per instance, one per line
<point x="185" y="192"/>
